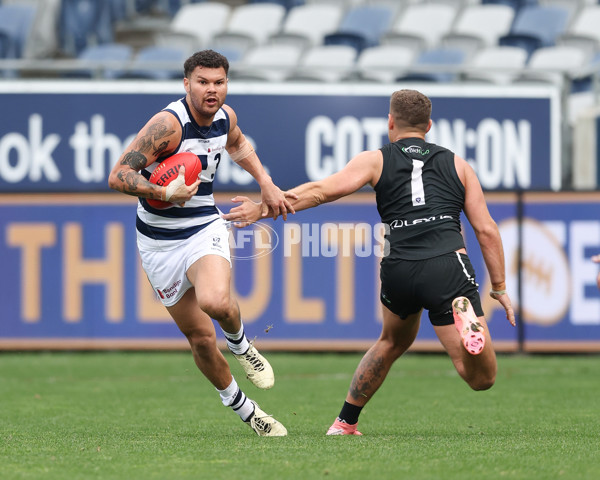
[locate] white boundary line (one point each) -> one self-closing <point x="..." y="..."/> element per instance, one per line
<point x="261" y="88"/>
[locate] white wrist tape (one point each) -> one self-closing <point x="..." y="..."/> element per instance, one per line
<point x="497" y="292"/>
<point x="242" y="152"/>
<point x="169" y="190"/>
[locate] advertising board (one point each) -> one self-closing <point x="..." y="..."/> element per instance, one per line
<point x="65" y="136"/>
<point x="71" y="274"/>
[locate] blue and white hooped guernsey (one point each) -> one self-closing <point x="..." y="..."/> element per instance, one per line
<point x="166" y="229"/>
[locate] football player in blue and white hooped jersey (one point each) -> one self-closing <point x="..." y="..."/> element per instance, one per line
<point x="185" y="248"/>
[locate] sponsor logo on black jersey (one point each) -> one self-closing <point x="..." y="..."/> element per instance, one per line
<point x="415" y="150"/>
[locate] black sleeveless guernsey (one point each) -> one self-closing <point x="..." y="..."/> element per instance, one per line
<point x="420" y="198"/>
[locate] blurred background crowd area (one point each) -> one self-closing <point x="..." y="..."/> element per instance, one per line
<point x="447" y="41"/>
<point x="397" y="42"/>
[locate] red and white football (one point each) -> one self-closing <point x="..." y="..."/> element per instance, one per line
<point x="168" y="170"/>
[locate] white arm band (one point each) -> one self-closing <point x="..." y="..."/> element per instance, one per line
<point x="242" y="152"/>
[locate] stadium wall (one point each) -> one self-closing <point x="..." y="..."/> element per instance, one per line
<point x="71" y="276"/>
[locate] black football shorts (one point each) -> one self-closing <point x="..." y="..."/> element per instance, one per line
<point x="407" y="286"/>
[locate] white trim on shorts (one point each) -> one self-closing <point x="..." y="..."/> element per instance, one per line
<point x="166" y="269"/>
<point x="464" y="269"/>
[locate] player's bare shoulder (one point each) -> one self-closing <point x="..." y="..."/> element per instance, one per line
<point x="372" y="162"/>
<point x="463" y="169"/>
<point x="364" y="168"/>
<point x="232" y="116"/>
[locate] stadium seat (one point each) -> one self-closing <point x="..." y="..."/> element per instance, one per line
<point x="440" y="65"/>
<point x="83" y="23"/>
<point x="120" y="9"/>
<point x="185" y="31"/>
<point x="288" y="4"/>
<point x="4" y="44"/>
<point x="42" y="38"/>
<point x="536" y="26"/>
<point x="498" y="64"/>
<point x="158" y="7"/>
<point x="307" y="25"/>
<point x="479" y="26"/>
<point x="324" y="63"/>
<point x="584" y="31"/>
<point x="251" y="25"/>
<point x="157" y="63"/>
<point x="16" y="23"/>
<point x="383" y="63"/>
<point x="408" y="29"/>
<point x="362" y="27"/>
<point x="516" y="5"/>
<point x="108" y="61"/>
<point x="574" y="6"/>
<point x="233" y="54"/>
<point x="554" y="64"/>
<point x="585" y="82"/>
<point x="267" y="62"/>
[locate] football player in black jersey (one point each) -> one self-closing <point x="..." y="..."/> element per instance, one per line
<point x="421" y="189"/>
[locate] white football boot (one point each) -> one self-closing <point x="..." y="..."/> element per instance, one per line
<point x="264" y="424"/>
<point x="256" y="367"/>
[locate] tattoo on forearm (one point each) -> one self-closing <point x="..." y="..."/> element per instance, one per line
<point x="368" y="376"/>
<point x="131" y="180"/>
<point x="152" y="143"/>
<point x="135" y="160"/>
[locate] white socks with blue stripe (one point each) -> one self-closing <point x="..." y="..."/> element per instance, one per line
<point x="233" y="397"/>
<point x="237" y="342"/>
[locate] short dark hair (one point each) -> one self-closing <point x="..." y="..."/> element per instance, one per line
<point x="410" y="108"/>
<point x="206" y="59"/>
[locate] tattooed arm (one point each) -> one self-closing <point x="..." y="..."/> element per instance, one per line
<point x="159" y="137"/>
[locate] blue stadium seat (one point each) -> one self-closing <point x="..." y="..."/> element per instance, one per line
<point x="16" y="22"/>
<point x="4" y="43"/>
<point x="288" y="4"/>
<point x="515" y="4"/>
<point x="233" y="54"/>
<point x="438" y="65"/>
<point x="157" y="63"/>
<point x="83" y="23"/>
<point x="107" y="60"/>
<point x="362" y="27"/>
<point x="119" y="9"/>
<point x="535" y="27"/>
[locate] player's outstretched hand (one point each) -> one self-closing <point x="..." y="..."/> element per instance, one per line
<point x="246" y="213"/>
<point x="275" y="202"/>
<point x="504" y="300"/>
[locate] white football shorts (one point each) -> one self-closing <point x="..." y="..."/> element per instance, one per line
<point x="166" y="270"/>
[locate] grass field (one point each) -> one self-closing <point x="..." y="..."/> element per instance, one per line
<point x="153" y="416"/>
